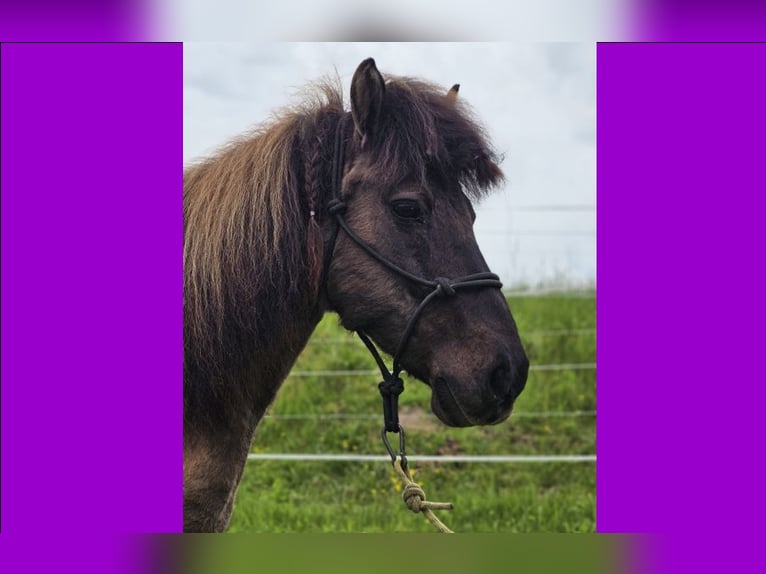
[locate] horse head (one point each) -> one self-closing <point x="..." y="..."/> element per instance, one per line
<point x="414" y="160"/>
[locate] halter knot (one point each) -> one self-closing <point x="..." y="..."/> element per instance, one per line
<point x="335" y="206"/>
<point x="390" y="388"/>
<point x="392" y="385"/>
<point x="444" y="286"/>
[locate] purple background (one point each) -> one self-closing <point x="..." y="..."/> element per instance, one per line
<point x="697" y="20"/>
<point x="75" y="20"/>
<point x="681" y="186"/>
<point x="91" y="298"/>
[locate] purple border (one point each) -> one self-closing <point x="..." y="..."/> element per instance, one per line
<point x="681" y="198"/>
<point x="693" y="20"/>
<point x="75" y="20"/>
<point x="91" y="298"/>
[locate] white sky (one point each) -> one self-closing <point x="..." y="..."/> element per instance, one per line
<point x="518" y="20"/>
<point x="537" y="101"/>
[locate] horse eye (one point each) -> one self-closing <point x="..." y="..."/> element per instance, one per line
<point x="407" y="209"/>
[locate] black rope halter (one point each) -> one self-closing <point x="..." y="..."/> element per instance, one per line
<point x="392" y="386"/>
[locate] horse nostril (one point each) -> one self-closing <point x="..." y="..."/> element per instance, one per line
<point x="500" y="381"/>
<point x="507" y="381"/>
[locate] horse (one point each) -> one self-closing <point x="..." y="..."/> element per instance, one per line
<point x="265" y="257"/>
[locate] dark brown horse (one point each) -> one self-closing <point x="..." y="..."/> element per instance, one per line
<point x="263" y="261"/>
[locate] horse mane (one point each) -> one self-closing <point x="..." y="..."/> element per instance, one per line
<point x="251" y="248"/>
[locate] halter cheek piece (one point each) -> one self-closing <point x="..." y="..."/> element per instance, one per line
<point x="392" y="385"/>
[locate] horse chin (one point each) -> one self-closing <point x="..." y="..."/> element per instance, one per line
<point x="448" y="409"/>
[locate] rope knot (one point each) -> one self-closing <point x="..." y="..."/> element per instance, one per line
<point x="391" y="386"/>
<point x="414" y="497"/>
<point x="335" y="206"/>
<point x="390" y="389"/>
<point x="444" y="286"/>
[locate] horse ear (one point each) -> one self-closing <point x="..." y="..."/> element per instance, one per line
<point x="452" y="93"/>
<point x="367" y="91"/>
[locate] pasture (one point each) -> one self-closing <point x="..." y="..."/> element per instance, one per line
<point x="320" y="410"/>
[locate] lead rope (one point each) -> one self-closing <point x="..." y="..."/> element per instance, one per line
<point x="392" y="385"/>
<point x="415" y="498"/>
<point x="412" y="494"/>
<point x="390" y="388"/>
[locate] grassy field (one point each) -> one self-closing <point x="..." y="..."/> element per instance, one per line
<point x="554" y="415"/>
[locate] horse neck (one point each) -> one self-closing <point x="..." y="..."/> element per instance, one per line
<point x="232" y="396"/>
<point x="279" y="344"/>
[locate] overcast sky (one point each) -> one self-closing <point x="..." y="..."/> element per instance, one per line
<point x="537" y="101"/>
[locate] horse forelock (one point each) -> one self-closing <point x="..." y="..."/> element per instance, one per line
<point x="422" y="130"/>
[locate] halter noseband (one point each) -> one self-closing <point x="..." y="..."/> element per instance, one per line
<point x="392" y="384"/>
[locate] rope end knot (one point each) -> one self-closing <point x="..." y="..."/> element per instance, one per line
<point x="413" y="497"/>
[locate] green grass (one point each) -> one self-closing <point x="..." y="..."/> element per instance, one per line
<point x="297" y="496"/>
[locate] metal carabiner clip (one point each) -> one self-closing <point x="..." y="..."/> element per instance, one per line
<point x="390" y="449"/>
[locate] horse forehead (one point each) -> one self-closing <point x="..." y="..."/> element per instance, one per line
<point x="366" y="171"/>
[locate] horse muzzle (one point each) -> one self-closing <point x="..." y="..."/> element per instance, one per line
<point x="483" y="400"/>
